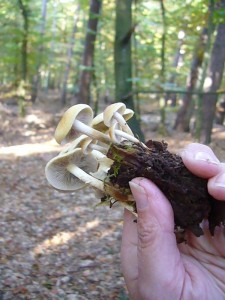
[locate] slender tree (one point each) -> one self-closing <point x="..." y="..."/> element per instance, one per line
<point x="199" y="62"/>
<point x="212" y="83"/>
<point x="175" y="64"/>
<point x="88" y="54"/>
<point x="36" y="78"/>
<point x="25" y="14"/>
<point x="69" y="56"/>
<point x="122" y="59"/>
<point x="182" y="122"/>
<point x="163" y="103"/>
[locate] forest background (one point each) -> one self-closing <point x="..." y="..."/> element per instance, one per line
<point x="164" y="59"/>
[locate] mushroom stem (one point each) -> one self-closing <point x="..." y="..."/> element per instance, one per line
<point x="126" y="136"/>
<point x="98" y="148"/>
<point x="95" y="134"/>
<point x="85" y="177"/>
<point x="88" y="145"/>
<point x="98" y="155"/>
<point x="96" y="183"/>
<point x="120" y="119"/>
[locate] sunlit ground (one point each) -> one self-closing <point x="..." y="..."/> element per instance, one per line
<point x="29" y="149"/>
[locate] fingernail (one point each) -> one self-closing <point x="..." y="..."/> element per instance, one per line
<point x="139" y="195"/>
<point x="202" y="156"/>
<point x="220" y="180"/>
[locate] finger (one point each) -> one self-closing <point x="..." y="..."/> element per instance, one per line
<point x="200" y="160"/>
<point x="129" y="252"/>
<point x="157" y="248"/>
<point x="216" y="185"/>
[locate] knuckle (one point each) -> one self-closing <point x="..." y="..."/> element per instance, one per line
<point x="148" y="233"/>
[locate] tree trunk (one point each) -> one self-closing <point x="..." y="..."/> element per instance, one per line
<point x="122" y="59"/>
<point x="50" y="81"/>
<point x="177" y="57"/>
<point x="88" y="56"/>
<point x="69" y="56"/>
<point x="220" y="113"/>
<point x="212" y="83"/>
<point x="162" y="71"/>
<point x="36" y="77"/>
<point x="185" y="112"/>
<point x="25" y="13"/>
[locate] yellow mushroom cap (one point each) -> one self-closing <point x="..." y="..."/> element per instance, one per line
<point x="64" y="131"/>
<point x="98" y="123"/>
<point x="58" y="172"/>
<point x="108" y="113"/>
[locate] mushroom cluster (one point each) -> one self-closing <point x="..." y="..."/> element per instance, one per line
<point x="83" y="161"/>
<point x="103" y="153"/>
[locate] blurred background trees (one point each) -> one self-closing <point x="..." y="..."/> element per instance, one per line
<point x="98" y="52"/>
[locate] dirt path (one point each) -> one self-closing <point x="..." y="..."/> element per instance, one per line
<point x="53" y="245"/>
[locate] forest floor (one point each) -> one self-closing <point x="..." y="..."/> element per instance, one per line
<point x="56" y="245"/>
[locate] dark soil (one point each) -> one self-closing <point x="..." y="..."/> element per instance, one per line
<point x="186" y="192"/>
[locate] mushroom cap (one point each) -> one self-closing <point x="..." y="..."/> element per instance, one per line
<point x="128" y="114"/>
<point x="108" y="113"/>
<point x="73" y="145"/>
<point x="58" y="175"/>
<point x="65" y="131"/>
<point x="98" y="123"/>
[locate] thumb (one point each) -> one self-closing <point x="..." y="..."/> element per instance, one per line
<point x="159" y="260"/>
<point x="200" y="160"/>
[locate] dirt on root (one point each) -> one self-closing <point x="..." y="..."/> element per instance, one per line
<point x="57" y="245"/>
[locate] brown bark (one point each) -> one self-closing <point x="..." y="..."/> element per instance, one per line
<point x="69" y="57"/>
<point x="173" y="96"/>
<point x="123" y="61"/>
<point x="184" y="114"/>
<point x="25" y="12"/>
<point x="220" y="113"/>
<point x="36" y="78"/>
<point x="213" y="81"/>
<point x="88" y="55"/>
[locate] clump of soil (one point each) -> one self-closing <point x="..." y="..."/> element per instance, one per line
<point x="186" y="192"/>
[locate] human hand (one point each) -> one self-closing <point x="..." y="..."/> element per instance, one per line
<point x="154" y="266"/>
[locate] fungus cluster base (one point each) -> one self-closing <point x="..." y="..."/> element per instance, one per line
<point x="186" y="192"/>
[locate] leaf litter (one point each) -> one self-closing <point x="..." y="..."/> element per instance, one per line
<point x="56" y="245"/>
<point x="52" y="245"/>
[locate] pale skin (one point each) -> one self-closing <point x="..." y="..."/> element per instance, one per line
<point x="154" y="266"/>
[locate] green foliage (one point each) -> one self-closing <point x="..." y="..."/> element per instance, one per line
<point x="189" y="16"/>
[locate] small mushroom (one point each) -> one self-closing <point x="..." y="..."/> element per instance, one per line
<point x="104" y="165"/>
<point x="115" y="113"/>
<point x="88" y="145"/>
<point x="73" y="145"/>
<point x="98" y="123"/>
<point x="118" y="135"/>
<point x="76" y="121"/>
<point x="69" y="172"/>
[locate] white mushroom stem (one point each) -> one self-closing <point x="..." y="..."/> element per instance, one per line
<point x="117" y="135"/>
<point x="89" y="131"/>
<point x="98" y="155"/>
<point x="98" y="148"/>
<point x="85" y="177"/>
<point x="104" y="165"/>
<point x="120" y="119"/>
<point x="88" y="146"/>
<point x="96" y="183"/>
<point x="126" y="136"/>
